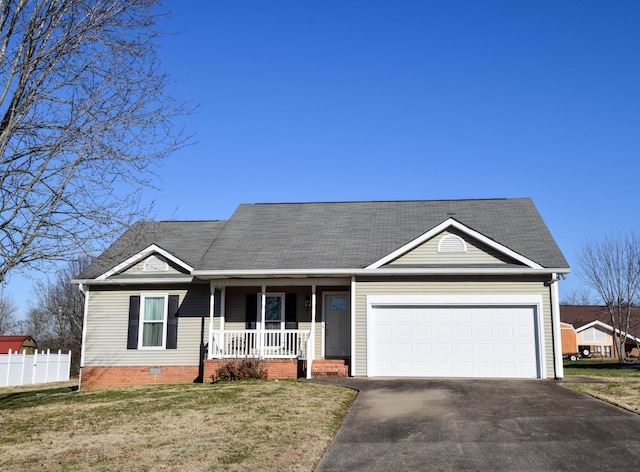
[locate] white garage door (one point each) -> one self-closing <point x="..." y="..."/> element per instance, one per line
<point x="433" y="341"/>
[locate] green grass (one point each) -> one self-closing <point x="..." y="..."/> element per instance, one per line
<point x="605" y="368"/>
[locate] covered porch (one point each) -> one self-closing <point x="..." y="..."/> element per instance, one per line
<point x="300" y="323"/>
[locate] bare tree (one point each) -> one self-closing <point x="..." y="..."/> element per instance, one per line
<point x="8" y="322"/>
<point x="612" y="268"/>
<point x="55" y="318"/>
<point x="84" y="118"/>
<point x="582" y="296"/>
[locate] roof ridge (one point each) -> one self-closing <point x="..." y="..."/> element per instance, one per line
<point x="393" y="201"/>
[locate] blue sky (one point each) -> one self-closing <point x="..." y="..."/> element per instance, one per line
<point x="387" y="100"/>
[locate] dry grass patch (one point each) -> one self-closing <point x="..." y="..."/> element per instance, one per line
<point x="254" y="425"/>
<point x="618" y="384"/>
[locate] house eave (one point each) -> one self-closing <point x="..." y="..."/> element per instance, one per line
<point x="297" y="273"/>
<point x="136" y="281"/>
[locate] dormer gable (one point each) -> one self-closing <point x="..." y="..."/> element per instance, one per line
<point x="151" y="261"/>
<point x="453" y="243"/>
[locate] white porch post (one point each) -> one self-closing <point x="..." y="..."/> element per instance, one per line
<point x="312" y="344"/>
<point x="223" y="301"/>
<point x="260" y="323"/>
<point x="212" y="304"/>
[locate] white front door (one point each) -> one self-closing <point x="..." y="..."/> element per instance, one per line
<point x="337" y="314"/>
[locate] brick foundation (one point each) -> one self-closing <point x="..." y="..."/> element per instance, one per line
<point x="103" y="377"/>
<point x="107" y="377"/>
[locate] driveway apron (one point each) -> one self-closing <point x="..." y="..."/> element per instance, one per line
<point x="514" y="425"/>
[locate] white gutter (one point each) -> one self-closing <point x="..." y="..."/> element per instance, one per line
<point x="212" y="274"/>
<point x="303" y="273"/>
<point x="128" y="281"/>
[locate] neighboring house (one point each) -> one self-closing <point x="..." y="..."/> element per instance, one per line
<point x="594" y="332"/>
<point x="454" y="288"/>
<point x="17" y="344"/>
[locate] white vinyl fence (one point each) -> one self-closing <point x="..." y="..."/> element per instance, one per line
<point x="44" y="367"/>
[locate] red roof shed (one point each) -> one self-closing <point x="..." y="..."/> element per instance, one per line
<point x="17" y="344"/>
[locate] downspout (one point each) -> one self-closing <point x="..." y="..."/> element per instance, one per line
<point x="352" y="367"/>
<point x="312" y="344"/>
<point x="557" y="334"/>
<point x="260" y="323"/>
<point x="84" y="289"/>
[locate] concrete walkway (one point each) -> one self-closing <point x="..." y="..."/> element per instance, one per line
<point x="480" y="425"/>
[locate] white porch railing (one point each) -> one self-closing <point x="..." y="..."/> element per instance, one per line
<point x="269" y="344"/>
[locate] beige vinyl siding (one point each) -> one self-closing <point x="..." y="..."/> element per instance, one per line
<point x="138" y="269"/>
<point x="427" y="253"/>
<point x="108" y="323"/>
<point x="450" y="286"/>
<point x="234" y="325"/>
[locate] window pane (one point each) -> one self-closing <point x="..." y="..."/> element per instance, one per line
<point x="154" y="309"/>
<point x="273" y="309"/>
<point x="338" y="304"/>
<point x="152" y="334"/>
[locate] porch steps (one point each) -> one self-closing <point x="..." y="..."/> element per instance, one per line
<point x="330" y="368"/>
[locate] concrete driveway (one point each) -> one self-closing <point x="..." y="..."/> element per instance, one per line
<point x="480" y="425"/>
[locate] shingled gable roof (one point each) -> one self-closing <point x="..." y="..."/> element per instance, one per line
<point x="336" y="235"/>
<point x="185" y="240"/>
<point x="353" y="235"/>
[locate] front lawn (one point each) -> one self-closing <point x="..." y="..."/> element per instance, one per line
<point x="607" y="380"/>
<point x="253" y="425"/>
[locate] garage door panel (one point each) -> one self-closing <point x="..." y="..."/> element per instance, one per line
<point x="454" y="342"/>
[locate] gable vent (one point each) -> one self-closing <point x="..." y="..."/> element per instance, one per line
<point x="452" y="243"/>
<point x="155" y="264"/>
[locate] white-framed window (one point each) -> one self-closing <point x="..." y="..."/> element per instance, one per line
<point x="452" y="243"/>
<point x="607" y="351"/>
<point x="594" y="335"/>
<point x="274" y="311"/>
<point x="153" y="321"/>
<point x="274" y="320"/>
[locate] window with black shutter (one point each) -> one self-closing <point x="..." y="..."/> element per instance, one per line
<point x="150" y="317"/>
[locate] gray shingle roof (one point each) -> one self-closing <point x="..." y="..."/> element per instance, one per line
<point x="187" y="240"/>
<point x="338" y="235"/>
<point x="356" y="234"/>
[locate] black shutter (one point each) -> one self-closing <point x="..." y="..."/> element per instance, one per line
<point x="134" y="320"/>
<point x="290" y="318"/>
<point x="251" y="311"/>
<point x="172" y="322"/>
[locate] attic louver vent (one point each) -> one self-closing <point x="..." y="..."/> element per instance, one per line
<point x="452" y="243"/>
<point x="155" y="264"/>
